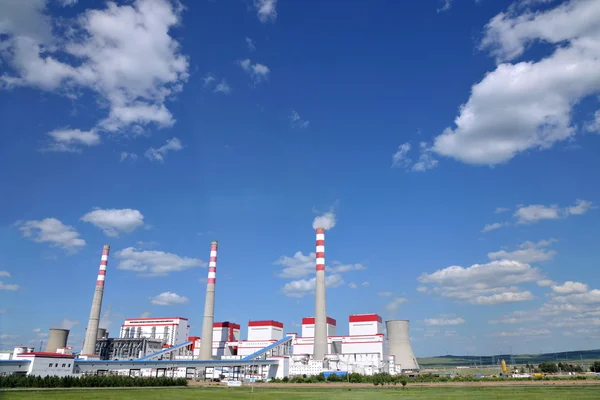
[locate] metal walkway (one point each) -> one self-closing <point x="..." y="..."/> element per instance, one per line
<point x="163" y="352"/>
<point x="263" y="352"/>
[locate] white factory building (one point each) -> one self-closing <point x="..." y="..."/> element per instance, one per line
<point x="171" y="331"/>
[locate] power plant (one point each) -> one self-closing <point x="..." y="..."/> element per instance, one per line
<point x="164" y="347"/>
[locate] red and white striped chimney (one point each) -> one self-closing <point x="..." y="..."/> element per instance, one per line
<point x="91" y="333"/>
<point x="209" y="305"/>
<point x="320" y="343"/>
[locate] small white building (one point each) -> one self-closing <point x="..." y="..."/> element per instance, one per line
<point x="48" y="364"/>
<point x="260" y="335"/>
<point x="172" y="331"/>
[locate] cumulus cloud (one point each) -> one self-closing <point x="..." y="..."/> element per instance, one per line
<point x="570" y="287"/>
<point x="500" y="210"/>
<point x="301" y="265"/>
<point x="303" y="287"/>
<point x="168" y="299"/>
<point x="447" y="4"/>
<point x="594" y="125"/>
<point x="4" y="286"/>
<point x="159" y="154"/>
<point x="146" y="314"/>
<point x="153" y="262"/>
<point x="223" y="87"/>
<point x="492" y="227"/>
<point x="528" y="105"/>
<point x="482" y="284"/>
<point x="266" y="10"/>
<point x="529" y="252"/>
<point x="72" y="140"/>
<point x="53" y="231"/>
<point x="400" y="159"/>
<point x="123" y="53"/>
<point x="113" y="221"/>
<point x="426" y="160"/>
<point x="385" y="294"/>
<point x="250" y="44"/>
<point x="296" y="121"/>
<point x="258" y="72"/>
<point x="5" y="274"/>
<point x="444" y="320"/>
<point x="128" y="156"/>
<point x="352" y="285"/>
<point x="538" y="212"/>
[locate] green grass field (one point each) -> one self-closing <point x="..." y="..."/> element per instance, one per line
<point x="503" y="392"/>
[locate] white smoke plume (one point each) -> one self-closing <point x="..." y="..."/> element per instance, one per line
<point x="325" y="221"/>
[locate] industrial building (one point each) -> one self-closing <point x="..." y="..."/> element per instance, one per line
<point x="164" y="347"/>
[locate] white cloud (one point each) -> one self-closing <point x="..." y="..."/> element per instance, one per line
<point x="258" y="72"/>
<point x="67" y="3"/>
<point x="223" y="87"/>
<point x="365" y="283"/>
<point x="5" y="274"/>
<point x="153" y="262"/>
<point x="159" y="154"/>
<point x="445" y="7"/>
<point x="5" y="336"/>
<point x="301" y="265"/>
<point x="53" y="231"/>
<point x="545" y="282"/>
<point x="208" y="80"/>
<point x="594" y="125"/>
<point x="587" y="298"/>
<point x="482" y="284"/>
<point x="68" y="324"/>
<point x="501" y="298"/>
<point x="528" y="105"/>
<point x="296" y="121"/>
<point x="385" y="294"/>
<point x="113" y="221"/>
<point x="538" y="212"/>
<point x="265" y="10"/>
<point x="492" y="227"/>
<point x="124" y="54"/>
<point x="426" y="160"/>
<point x="303" y="287"/>
<point x="72" y="140"/>
<point x="37" y="330"/>
<point x="168" y="299"/>
<point x="146" y="314"/>
<point x="326" y="221"/>
<point x="399" y="159"/>
<point x="128" y="156"/>
<point x="500" y="210"/>
<point x="4" y="286"/>
<point x="250" y="43"/>
<point x="522" y="332"/>
<point x="393" y="305"/>
<point x="570" y="287"/>
<point x="352" y="285"/>
<point x="444" y="320"/>
<point x="529" y="252"/>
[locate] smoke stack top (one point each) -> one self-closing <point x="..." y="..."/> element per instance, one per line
<point x="325" y="221"/>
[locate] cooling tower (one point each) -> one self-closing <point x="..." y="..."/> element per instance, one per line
<point x="57" y="338"/>
<point x="91" y="333"/>
<point x="399" y="343"/>
<point x="102" y="334"/>
<point x="320" y="343"/>
<point x="209" y="305"/>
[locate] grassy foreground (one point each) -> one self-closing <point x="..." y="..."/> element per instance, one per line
<point x="498" y="392"/>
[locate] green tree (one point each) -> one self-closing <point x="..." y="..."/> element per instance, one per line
<point x="595" y="366"/>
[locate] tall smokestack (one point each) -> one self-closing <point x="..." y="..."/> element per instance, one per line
<point x="209" y="306"/>
<point x="91" y="334"/>
<point x="320" y="343"/>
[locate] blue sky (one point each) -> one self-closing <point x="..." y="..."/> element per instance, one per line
<point x="450" y="146"/>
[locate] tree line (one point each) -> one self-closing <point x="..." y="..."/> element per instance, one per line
<point x="29" y="381"/>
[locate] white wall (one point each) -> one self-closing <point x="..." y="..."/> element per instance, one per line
<point x="174" y="333"/>
<point x="49" y="366"/>
<point x="266" y="332"/>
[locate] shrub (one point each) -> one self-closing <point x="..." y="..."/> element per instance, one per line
<point x="18" y="381"/>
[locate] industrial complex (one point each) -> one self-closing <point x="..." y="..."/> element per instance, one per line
<point x="164" y="346"/>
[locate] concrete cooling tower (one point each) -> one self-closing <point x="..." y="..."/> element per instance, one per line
<point x="400" y="348"/>
<point x="57" y="338"/>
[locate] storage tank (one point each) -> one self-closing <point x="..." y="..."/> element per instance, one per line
<point x="102" y="334"/>
<point x="57" y="338"/>
<point x="399" y="344"/>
